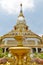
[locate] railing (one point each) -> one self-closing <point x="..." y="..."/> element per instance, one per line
<point x="31" y="46"/>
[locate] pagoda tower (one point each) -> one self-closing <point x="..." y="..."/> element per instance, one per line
<point x="29" y="38"/>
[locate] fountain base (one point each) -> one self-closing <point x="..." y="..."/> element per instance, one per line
<point x="19" y="53"/>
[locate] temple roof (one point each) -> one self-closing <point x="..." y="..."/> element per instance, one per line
<point x="26" y="34"/>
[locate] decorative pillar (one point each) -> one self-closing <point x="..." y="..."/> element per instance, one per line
<point x="36" y="50"/>
<point x="36" y="47"/>
<point x="5" y="50"/>
<point x="41" y="49"/>
<point x="5" y="45"/>
<point x="31" y="50"/>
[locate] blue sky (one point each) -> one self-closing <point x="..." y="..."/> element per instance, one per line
<point x="33" y="12"/>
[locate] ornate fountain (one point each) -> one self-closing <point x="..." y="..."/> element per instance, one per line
<point x="20" y="52"/>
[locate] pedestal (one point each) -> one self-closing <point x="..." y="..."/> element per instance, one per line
<point x="19" y="52"/>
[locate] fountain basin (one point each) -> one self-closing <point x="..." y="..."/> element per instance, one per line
<point x="19" y="50"/>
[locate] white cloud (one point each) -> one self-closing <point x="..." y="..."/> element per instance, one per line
<point x="12" y="6"/>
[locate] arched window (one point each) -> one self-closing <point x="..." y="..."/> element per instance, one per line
<point x="10" y="41"/>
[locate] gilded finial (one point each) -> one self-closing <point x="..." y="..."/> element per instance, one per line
<point x="21" y="13"/>
<point x="21" y="7"/>
<point x="21" y="4"/>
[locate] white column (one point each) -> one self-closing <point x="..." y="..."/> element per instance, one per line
<point x="36" y="50"/>
<point x="5" y="49"/>
<point x="41" y="49"/>
<point x="31" y="50"/>
<point x="36" y="43"/>
<point x="5" y="45"/>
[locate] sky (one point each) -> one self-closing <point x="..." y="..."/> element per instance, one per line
<point x="32" y="10"/>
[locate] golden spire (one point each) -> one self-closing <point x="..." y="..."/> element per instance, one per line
<point x="21" y="8"/>
<point x="21" y="18"/>
<point x="21" y="13"/>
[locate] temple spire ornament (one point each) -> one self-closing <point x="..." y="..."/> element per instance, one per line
<point x="21" y="18"/>
<point x="21" y="8"/>
<point x="21" y="13"/>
